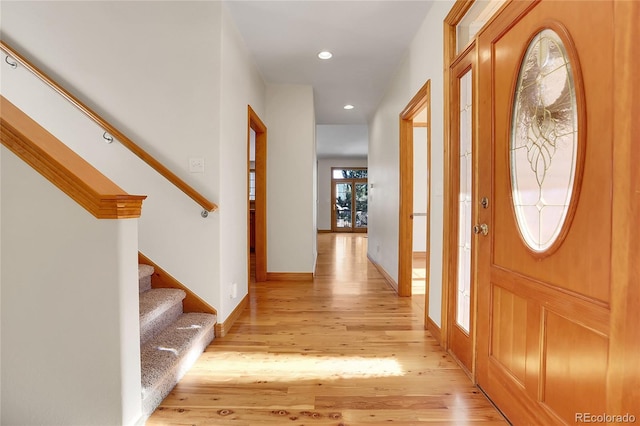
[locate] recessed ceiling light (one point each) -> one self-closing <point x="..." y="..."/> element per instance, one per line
<point x="349" y="106"/>
<point x="325" y="54"/>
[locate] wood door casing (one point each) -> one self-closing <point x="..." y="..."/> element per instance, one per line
<point x="543" y="318"/>
<point x="623" y="381"/>
<point x="260" y="204"/>
<point x="421" y="101"/>
<point x="353" y="183"/>
<point x="460" y="342"/>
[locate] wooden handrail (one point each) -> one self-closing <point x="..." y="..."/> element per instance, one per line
<point x="63" y="167"/>
<point x="109" y="128"/>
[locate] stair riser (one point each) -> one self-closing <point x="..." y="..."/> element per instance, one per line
<point x="144" y="284"/>
<point x="152" y="397"/>
<point x="154" y="327"/>
<point x="170" y="341"/>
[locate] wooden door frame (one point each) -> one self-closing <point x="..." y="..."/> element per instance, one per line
<point x="623" y="381"/>
<point x="467" y="61"/>
<point x="420" y="100"/>
<point x="450" y="224"/>
<point x="256" y="124"/>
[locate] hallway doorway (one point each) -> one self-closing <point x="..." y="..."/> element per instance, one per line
<point x="414" y="218"/>
<point x="419" y="258"/>
<point x="257" y="197"/>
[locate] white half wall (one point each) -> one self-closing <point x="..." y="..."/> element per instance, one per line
<point x="324" y="185"/>
<point x="424" y="61"/>
<point x="291" y="229"/>
<point x="69" y="308"/>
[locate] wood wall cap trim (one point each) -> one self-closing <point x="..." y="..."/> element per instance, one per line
<point x="63" y="167"/>
<point x="109" y="128"/>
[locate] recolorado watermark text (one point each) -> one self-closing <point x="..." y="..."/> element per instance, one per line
<point x="605" y="418"/>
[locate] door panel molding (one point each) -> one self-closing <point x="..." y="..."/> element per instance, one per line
<point x="592" y="313"/>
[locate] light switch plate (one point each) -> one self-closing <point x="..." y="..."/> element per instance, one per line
<point x="196" y="165"/>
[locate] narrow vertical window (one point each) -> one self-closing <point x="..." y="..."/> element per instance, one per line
<point x="463" y="308"/>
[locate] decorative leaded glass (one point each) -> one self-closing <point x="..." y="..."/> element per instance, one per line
<point x="544" y="141"/>
<point x="463" y="308"/>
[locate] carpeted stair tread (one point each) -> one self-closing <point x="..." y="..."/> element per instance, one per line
<point x="144" y="277"/>
<point x="168" y="356"/>
<point x="159" y="307"/>
<point x="144" y="270"/>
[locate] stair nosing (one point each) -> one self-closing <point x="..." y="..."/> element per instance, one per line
<point x="145" y="270"/>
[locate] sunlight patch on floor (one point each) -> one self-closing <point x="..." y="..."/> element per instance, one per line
<point x="418" y="280"/>
<point x="243" y="367"/>
<point x="419" y="273"/>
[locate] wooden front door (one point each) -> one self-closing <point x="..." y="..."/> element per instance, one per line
<point x="544" y="268"/>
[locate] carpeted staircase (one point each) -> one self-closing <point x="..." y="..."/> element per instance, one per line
<point x="170" y="340"/>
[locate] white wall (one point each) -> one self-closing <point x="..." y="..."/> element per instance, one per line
<point x="69" y="312"/>
<point x="314" y="197"/>
<point x="324" y="185"/>
<point x="0" y="280"/>
<point x="424" y="61"/>
<point x="241" y="85"/>
<point x="290" y="180"/>
<point x="420" y="189"/>
<point x="178" y="93"/>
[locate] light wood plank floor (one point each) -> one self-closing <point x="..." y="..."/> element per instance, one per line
<point x="341" y="350"/>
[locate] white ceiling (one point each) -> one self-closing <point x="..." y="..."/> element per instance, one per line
<point x="342" y="140"/>
<point x="368" y="40"/>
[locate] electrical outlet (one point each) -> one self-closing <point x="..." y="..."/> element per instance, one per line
<point x="234" y="290"/>
<point x="196" y="165"/>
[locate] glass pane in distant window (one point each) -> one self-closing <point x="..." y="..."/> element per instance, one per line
<point x="349" y="173"/>
<point x="361" y="205"/>
<point x="252" y="185"/>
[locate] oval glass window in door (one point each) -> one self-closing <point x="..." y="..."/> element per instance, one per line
<point x="544" y="141"/>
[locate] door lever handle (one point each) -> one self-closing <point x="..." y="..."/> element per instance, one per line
<point x="483" y="229"/>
